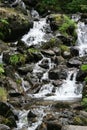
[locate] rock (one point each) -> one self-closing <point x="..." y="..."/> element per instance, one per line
<point x="81" y="75"/>
<point x="66" y="55"/>
<point x="57" y="51"/>
<point x="25" y="69"/>
<point x="73" y="127"/>
<point x="74" y="51"/>
<point x="30" y="2"/>
<point x="53" y="125"/>
<point x="44" y="64"/>
<point x="74" y="62"/>
<point x="18" y="23"/>
<point x="42" y="127"/>
<point x="57" y="73"/>
<point x="66" y="40"/>
<point x="48" y="52"/>
<point x="57" y="83"/>
<point x="55" y="21"/>
<point x="4" y="127"/>
<point x="31" y="115"/>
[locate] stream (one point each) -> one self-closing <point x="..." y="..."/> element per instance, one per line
<point x="69" y="91"/>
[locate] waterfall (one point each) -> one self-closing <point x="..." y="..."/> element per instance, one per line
<point x="1" y="56"/>
<point x="82" y="38"/>
<point x="40" y="32"/>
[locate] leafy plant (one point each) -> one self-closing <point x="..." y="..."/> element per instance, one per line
<point x="17" y="58"/>
<point x="3" y="94"/>
<point x="67" y="24"/>
<point x="84" y="67"/>
<point x="4" y="28"/>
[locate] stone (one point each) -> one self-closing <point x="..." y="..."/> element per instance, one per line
<point x="73" y="62"/>
<point x="73" y="127"/>
<point x="48" y="52"/>
<point x="31" y="115"/>
<point x="74" y="51"/>
<point x="4" y="127"/>
<point x="44" y="64"/>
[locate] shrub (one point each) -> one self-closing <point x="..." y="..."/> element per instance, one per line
<point x="84" y="103"/>
<point x="64" y="48"/>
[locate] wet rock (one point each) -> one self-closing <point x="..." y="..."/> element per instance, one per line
<point x="81" y="75"/>
<point x="42" y="127"/>
<point x="25" y="69"/>
<point x="66" y="40"/>
<point x="55" y="21"/>
<point x="53" y="125"/>
<point x="57" y="51"/>
<point x="14" y="94"/>
<point x="30" y="2"/>
<point x="73" y="127"/>
<point x="4" y="127"/>
<point x="31" y="114"/>
<point x="74" y="51"/>
<point x="60" y="105"/>
<point x="44" y="64"/>
<point x="57" y="74"/>
<point x="57" y="83"/>
<point x="48" y="52"/>
<point x="66" y="55"/>
<point x="74" y="62"/>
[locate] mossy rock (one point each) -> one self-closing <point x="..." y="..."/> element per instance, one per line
<point x="13" y="23"/>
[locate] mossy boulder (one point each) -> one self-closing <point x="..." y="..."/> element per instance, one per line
<point x="13" y="23"/>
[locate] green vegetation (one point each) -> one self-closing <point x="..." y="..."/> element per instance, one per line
<point x="64" y="48"/>
<point x="77" y="6"/>
<point x="32" y="50"/>
<point x="1" y="69"/>
<point x="84" y="67"/>
<point x="4" y="28"/>
<point x="17" y="59"/>
<point x="3" y="94"/>
<point x="84" y="103"/>
<point x="68" y="26"/>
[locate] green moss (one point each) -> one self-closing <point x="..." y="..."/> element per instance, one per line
<point x="84" y="67"/>
<point x="1" y="69"/>
<point x="64" y="48"/>
<point x="3" y="94"/>
<point x="77" y="120"/>
<point x="32" y="50"/>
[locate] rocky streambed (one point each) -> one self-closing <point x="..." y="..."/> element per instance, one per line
<point x="42" y="73"/>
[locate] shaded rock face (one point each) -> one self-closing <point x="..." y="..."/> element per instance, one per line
<point x="18" y="23"/>
<point x="7" y="113"/>
<point x="57" y="74"/>
<point x="30" y="2"/>
<point x="81" y="75"/>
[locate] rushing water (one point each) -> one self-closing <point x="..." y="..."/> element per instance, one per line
<point x="82" y="38"/>
<point x="70" y="90"/>
<point x="38" y="34"/>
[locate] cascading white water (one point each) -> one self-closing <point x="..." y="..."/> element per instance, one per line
<point x="69" y="90"/>
<point x="37" y="34"/>
<point x="82" y="38"/>
<point x="23" y="122"/>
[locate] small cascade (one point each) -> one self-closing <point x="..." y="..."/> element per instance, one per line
<point x="82" y="38"/>
<point x="40" y="32"/>
<point x="69" y="90"/>
<point x="24" y="123"/>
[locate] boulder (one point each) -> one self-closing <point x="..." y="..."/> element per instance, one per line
<point x="74" y="62"/>
<point x="74" y="51"/>
<point x="14" y="23"/>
